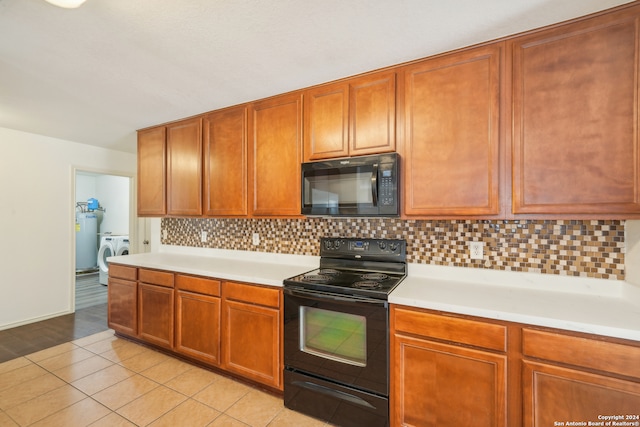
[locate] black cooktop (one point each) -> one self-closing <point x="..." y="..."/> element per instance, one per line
<point x="367" y="283"/>
<point x="366" y="267"/>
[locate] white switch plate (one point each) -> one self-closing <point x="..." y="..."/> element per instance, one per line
<point x="203" y="237"/>
<point x="476" y="250"/>
<point x="255" y="239"/>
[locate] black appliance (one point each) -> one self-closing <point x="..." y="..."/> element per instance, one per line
<point x="354" y="186"/>
<point x="336" y="332"/>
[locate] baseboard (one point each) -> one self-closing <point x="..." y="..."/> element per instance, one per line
<point x="34" y="320"/>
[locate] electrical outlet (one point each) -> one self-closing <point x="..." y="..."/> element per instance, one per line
<point x="164" y="234"/>
<point x="203" y="237"/>
<point x="255" y="239"/>
<point x="476" y="250"/>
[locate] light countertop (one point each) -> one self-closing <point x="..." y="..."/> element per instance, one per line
<point x="597" y="306"/>
<point x="603" y="307"/>
<point x="251" y="267"/>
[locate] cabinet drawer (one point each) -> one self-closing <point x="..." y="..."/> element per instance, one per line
<point x="252" y="294"/>
<point x="454" y="329"/>
<point x="198" y="284"/>
<point x="588" y="353"/>
<point x="123" y="272"/>
<point x="160" y="278"/>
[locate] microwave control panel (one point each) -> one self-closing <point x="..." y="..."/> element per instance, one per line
<point x="387" y="187"/>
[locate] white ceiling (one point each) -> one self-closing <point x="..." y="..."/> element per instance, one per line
<point x="98" y="73"/>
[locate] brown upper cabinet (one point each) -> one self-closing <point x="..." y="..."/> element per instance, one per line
<point x="452" y="134"/>
<point x="170" y="169"/>
<point x="152" y="167"/>
<point x="539" y="125"/>
<point x="225" y="162"/>
<point x="275" y="156"/>
<point x="575" y="117"/>
<point x="351" y="118"/>
<point x="184" y="167"/>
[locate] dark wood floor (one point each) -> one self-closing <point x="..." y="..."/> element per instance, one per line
<point x="90" y="318"/>
<point x="23" y="340"/>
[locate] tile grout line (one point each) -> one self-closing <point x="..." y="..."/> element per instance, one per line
<point x="93" y="347"/>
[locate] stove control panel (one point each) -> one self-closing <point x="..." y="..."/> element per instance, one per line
<point x="359" y="245"/>
<point x="374" y="248"/>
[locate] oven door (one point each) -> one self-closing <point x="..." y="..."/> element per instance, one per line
<point x="338" y="338"/>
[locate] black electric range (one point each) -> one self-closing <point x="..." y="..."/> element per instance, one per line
<point x="356" y="267"/>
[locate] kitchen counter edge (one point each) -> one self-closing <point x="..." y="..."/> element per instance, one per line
<point x="260" y="270"/>
<point x="595" y="306"/>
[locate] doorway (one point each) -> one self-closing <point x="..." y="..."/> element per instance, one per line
<point x="104" y="214"/>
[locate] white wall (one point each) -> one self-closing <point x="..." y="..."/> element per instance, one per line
<point x="37" y="207"/>
<point x="632" y="255"/>
<point x="112" y="192"/>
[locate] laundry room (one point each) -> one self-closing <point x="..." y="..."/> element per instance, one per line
<point x="102" y="214"/>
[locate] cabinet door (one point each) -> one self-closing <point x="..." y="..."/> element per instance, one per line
<point x="225" y="162"/>
<point x="184" y="168"/>
<point x="326" y="130"/>
<point x="198" y="326"/>
<point x="122" y="310"/>
<point x="436" y="384"/>
<point x="355" y="117"/>
<point x="251" y="342"/>
<point x="276" y="145"/>
<point x="155" y="311"/>
<point x="452" y="136"/>
<point x="554" y="394"/>
<point x="575" y="116"/>
<point x="151" y="172"/>
<point x="372" y="114"/>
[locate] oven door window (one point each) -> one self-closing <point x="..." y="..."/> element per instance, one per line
<point x="334" y="335"/>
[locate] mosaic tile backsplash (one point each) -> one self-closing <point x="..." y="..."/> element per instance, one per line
<point x="572" y="248"/>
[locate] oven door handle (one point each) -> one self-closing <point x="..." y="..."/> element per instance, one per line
<point x="334" y="393"/>
<point x="307" y="293"/>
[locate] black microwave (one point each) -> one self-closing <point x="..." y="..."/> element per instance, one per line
<point x="354" y="186"/>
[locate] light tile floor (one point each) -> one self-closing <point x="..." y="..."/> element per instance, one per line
<point x="103" y="380"/>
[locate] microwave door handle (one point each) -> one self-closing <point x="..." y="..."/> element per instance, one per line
<point x="374" y="185"/>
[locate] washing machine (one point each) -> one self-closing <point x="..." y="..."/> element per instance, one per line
<point x="122" y="245"/>
<point x="107" y="249"/>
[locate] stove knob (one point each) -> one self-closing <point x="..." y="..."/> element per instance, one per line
<point x="328" y="244"/>
<point x="393" y="247"/>
<point x="382" y="245"/>
<point x="336" y="244"/>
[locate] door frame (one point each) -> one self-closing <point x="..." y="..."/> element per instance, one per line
<point x="133" y="223"/>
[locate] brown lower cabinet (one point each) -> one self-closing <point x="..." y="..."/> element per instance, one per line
<point x="251" y="332"/>
<point x="227" y="325"/>
<point x="198" y="318"/>
<point x="155" y="307"/>
<point x="452" y="370"/>
<point x="122" y="293"/>
<point x="446" y="371"/>
<point x="603" y="378"/>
